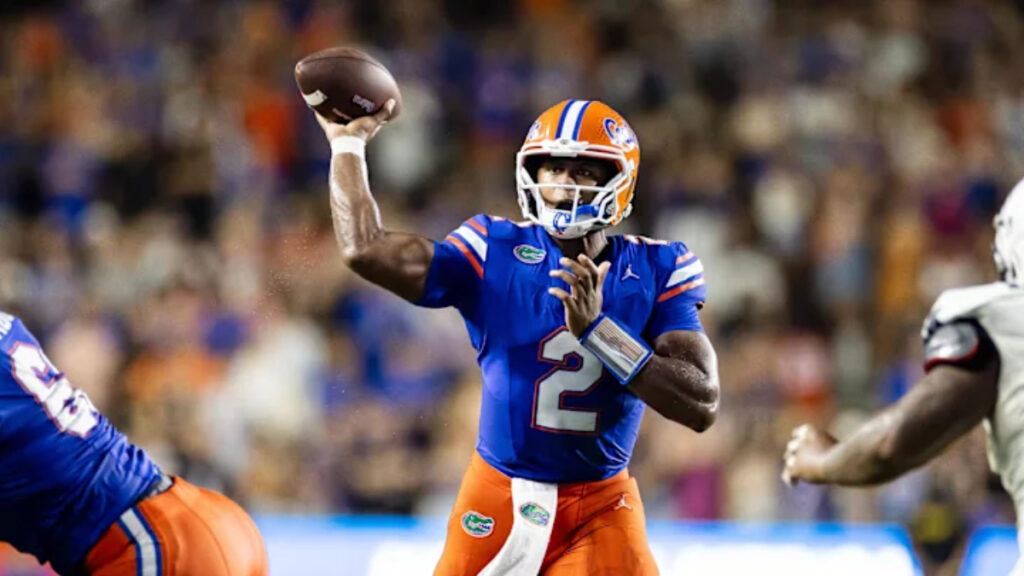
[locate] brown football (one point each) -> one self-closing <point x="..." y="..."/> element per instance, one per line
<point x="345" y="83"/>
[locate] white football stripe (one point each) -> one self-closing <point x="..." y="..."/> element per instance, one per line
<point x="572" y="117"/>
<point x="475" y="241"/>
<point x="143" y="541"/>
<point x="684" y="273"/>
<point x="315" y="99"/>
<point x="526" y="544"/>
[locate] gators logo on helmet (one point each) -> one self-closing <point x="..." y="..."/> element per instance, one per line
<point x="621" y="134"/>
<point x="580" y="129"/>
<point x="537" y="132"/>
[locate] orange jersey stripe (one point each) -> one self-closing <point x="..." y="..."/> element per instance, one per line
<point x="680" y="289"/>
<point x="478" y="227"/>
<point x="467" y="253"/>
<point x="684" y="258"/>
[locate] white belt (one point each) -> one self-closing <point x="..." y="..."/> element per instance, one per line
<point x="533" y="513"/>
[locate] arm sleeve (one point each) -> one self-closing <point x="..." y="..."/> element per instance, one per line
<point x="680" y="292"/>
<point x="457" y="269"/>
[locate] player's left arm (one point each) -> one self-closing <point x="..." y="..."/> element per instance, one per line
<point x="678" y="377"/>
<point x="959" y="391"/>
<point x="680" y="381"/>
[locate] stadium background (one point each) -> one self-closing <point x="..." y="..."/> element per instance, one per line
<point x="164" y="228"/>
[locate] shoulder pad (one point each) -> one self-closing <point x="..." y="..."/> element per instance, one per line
<point x="656" y="251"/>
<point x="504" y="228"/>
<point x="672" y="256"/>
<point x="963" y="304"/>
<point x="662" y="253"/>
<point x="634" y="239"/>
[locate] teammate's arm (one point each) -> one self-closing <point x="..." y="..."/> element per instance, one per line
<point x="396" y="261"/>
<point x="943" y="406"/>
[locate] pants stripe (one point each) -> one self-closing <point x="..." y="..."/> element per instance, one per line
<point x="147" y="547"/>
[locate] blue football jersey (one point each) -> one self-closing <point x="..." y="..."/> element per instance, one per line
<point x="550" y="411"/>
<point x="66" y="474"/>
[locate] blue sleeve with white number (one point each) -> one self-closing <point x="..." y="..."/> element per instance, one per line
<point x="66" y="474"/>
<point x="15" y="342"/>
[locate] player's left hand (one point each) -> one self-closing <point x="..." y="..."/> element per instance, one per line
<point x="804" y="452"/>
<point x="585" y="298"/>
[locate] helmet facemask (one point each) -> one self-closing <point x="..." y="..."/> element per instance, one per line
<point x="584" y="217"/>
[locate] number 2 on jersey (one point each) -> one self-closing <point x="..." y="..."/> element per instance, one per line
<point x="69" y="408"/>
<point x="565" y="380"/>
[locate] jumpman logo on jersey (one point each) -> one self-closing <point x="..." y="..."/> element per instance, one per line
<point x="629" y="273"/>
<point x="622" y="504"/>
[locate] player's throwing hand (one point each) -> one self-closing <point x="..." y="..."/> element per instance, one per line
<point x="804" y="453"/>
<point x="585" y="298"/>
<point x="364" y="127"/>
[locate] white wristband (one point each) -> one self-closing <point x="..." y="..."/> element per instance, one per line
<point x="622" y="353"/>
<point x="348" y="145"/>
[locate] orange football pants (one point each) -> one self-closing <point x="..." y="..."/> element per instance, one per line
<point x="599" y="527"/>
<point x="184" y="531"/>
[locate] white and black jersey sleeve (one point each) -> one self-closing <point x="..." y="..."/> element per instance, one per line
<point x="961" y="343"/>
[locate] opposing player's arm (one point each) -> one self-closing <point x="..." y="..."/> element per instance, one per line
<point x="958" y="392"/>
<point x="396" y="261"/>
<point x="680" y="381"/>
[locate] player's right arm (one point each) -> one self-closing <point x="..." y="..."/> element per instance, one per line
<point x="396" y="261"/>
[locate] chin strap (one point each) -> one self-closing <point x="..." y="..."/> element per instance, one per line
<point x="622" y="353"/>
<point x="558" y="221"/>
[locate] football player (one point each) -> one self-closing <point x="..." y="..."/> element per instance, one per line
<point x="75" y="493"/>
<point x="575" y="329"/>
<point x="974" y="364"/>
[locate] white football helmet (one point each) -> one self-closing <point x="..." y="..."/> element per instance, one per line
<point x="1008" y="248"/>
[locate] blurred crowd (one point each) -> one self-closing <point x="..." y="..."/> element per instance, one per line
<point x="165" y="228"/>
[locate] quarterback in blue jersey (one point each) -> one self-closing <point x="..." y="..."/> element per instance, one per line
<point x="75" y="493"/>
<point x="576" y="331"/>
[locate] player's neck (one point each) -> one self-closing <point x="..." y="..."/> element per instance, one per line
<point x="592" y="244"/>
